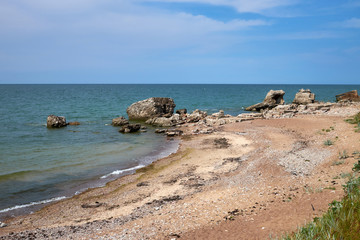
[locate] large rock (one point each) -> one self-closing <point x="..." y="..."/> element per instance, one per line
<point x="272" y="99"/>
<point x="150" y="108"/>
<point x="351" y="96"/>
<point x="304" y="97"/>
<point x="130" y="128"/>
<point x="166" y="122"/>
<point x="120" y="121"/>
<point x="56" y="121"/>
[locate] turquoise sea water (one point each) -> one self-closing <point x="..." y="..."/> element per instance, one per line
<point x="39" y="165"/>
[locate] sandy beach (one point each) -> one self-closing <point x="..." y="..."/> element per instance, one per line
<point x="246" y="180"/>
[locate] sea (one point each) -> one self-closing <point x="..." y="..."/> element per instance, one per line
<point x="40" y="165"/>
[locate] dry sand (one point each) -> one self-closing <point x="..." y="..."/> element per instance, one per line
<point x="247" y="180"/>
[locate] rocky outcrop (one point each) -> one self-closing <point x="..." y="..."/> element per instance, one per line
<point x="351" y="96"/>
<point x="174" y="120"/>
<point x="304" y="96"/>
<point x="196" y="116"/>
<point x="56" y="121"/>
<point x="120" y="121"/>
<point x="272" y="99"/>
<point x="130" y="128"/>
<point x="170" y="132"/>
<point x="150" y="108"/>
<point x="181" y="111"/>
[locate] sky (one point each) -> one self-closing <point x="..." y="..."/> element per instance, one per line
<point x="180" y="41"/>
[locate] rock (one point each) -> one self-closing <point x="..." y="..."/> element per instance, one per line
<point x="56" y="121"/>
<point x="120" y="121"/>
<point x="181" y="111"/>
<point x="196" y="116"/>
<point x="272" y="99"/>
<point x="2" y="225"/>
<point x="173" y="132"/>
<point x="130" y="128"/>
<point x="74" y="123"/>
<point x="166" y="122"/>
<point x="304" y="97"/>
<point x="150" y="108"/>
<point x="219" y="114"/>
<point x="351" y="96"/>
<point x="160" y="130"/>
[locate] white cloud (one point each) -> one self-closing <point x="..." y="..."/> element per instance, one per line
<point x="255" y="6"/>
<point x="350" y="23"/>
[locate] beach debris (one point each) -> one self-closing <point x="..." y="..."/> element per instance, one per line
<point x="231" y="215"/>
<point x="95" y="205"/>
<point x="74" y="123"/>
<point x="272" y="99"/>
<point x="351" y="96"/>
<point x="130" y="128"/>
<point x="150" y="108"/>
<point x="142" y="184"/>
<point x="2" y="225"/>
<point x="56" y="121"/>
<point x="120" y="121"/>
<point x="304" y="96"/>
<point x="174" y="235"/>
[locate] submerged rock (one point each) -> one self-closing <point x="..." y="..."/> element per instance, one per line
<point x="272" y="99"/>
<point x="304" y="97"/>
<point x="130" y="128"/>
<point x="351" y="96"/>
<point x="150" y="108"/>
<point x="74" y="123"/>
<point x="120" y="121"/>
<point x="56" y="121"/>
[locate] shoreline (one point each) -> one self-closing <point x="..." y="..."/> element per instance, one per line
<point x="164" y="150"/>
<point x="198" y="188"/>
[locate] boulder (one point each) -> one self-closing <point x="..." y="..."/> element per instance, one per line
<point x="304" y="96"/>
<point x="272" y="99"/>
<point x="219" y="114"/>
<point x="351" y="96"/>
<point x="120" y="121"/>
<point x="150" y="108"/>
<point x="181" y="111"/>
<point x="130" y="128"/>
<point x="74" y="123"/>
<point x="196" y="116"/>
<point x="56" y="121"/>
<point x="165" y="122"/>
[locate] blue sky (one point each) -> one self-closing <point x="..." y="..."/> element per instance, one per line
<point x="180" y="41"/>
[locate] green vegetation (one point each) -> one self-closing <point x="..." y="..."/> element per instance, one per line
<point x="343" y="155"/>
<point x="328" y="142"/>
<point x="342" y="220"/>
<point x="355" y="120"/>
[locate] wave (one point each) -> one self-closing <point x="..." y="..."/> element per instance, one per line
<point x="117" y="172"/>
<point x="32" y="204"/>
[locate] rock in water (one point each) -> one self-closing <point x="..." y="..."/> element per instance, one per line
<point x="351" y="96"/>
<point x="272" y="99"/>
<point x="130" y="128"/>
<point x="150" y="108"/>
<point x="74" y="123"/>
<point x="304" y="97"/>
<point x="56" y="121"/>
<point x="120" y="121"/>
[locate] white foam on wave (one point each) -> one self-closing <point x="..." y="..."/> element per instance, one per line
<point x="32" y="204"/>
<point x="117" y="172"/>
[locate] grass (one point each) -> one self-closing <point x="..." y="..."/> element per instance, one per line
<point x="343" y="155"/>
<point x="355" y="120"/>
<point x="341" y="221"/>
<point x="328" y="142"/>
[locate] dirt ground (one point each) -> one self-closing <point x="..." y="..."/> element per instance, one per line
<point x="248" y="180"/>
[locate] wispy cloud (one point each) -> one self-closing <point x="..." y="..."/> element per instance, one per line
<point x="254" y="6"/>
<point x="350" y="23"/>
